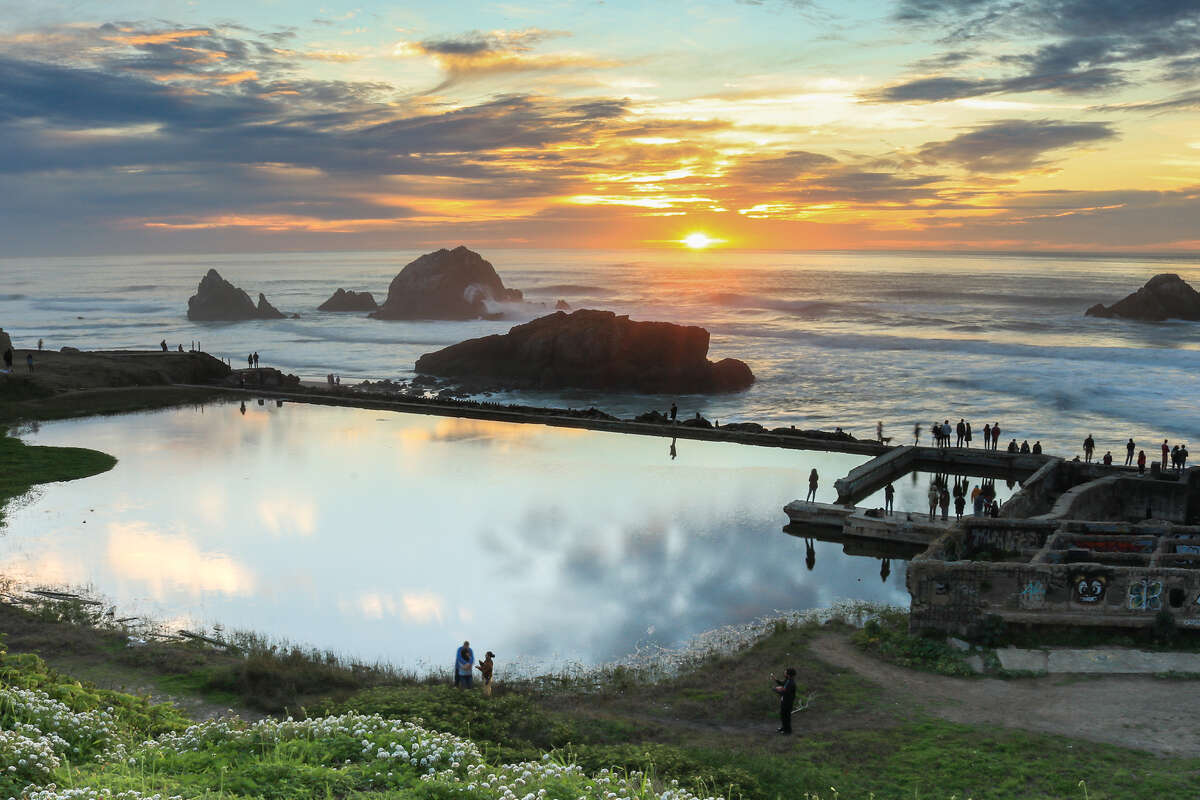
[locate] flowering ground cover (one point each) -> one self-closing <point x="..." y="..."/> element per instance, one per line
<point x="696" y="723"/>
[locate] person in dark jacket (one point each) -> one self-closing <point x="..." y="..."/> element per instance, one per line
<point x="786" y="689"/>
<point x="485" y="672"/>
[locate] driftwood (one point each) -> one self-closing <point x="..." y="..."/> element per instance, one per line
<point x="207" y="639"/>
<point x="63" y="596"/>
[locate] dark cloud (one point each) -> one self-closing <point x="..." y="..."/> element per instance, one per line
<point x="1091" y="42"/>
<point x="1013" y="145"/>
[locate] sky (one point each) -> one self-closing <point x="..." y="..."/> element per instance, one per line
<point x="265" y="125"/>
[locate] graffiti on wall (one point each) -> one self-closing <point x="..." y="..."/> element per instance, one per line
<point x="1089" y="589"/>
<point x="1033" y="595"/>
<point x="1145" y="594"/>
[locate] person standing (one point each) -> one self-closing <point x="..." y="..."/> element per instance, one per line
<point x="916" y="434"/>
<point x="485" y="672"/>
<point x="889" y="498"/>
<point x="879" y="431"/>
<point x="1141" y="462"/>
<point x="995" y="435"/>
<point x="813" y="480"/>
<point x="987" y="436"/>
<point x="464" y="660"/>
<point x="968" y="434"/>
<point x="961" y="430"/>
<point x="256" y="359"/>
<point x="786" y="689"/>
<point x="1089" y="446"/>
<point x="1166" y="451"/>
<point x="1129" y="448"/>
<point x="249" y="360"/>
<point x="40" y="344"/>
<point x="1183" y="455"/>
<point x="674" y="411"/>
<point x="163" y="345"/>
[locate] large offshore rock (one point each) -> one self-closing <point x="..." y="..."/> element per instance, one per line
<point x="592" y="350"/>
<point x="1165" y="296"/>
<point x="218" y="300"/>
<point x="342" y="300"/>
<point x="447" y="284"/>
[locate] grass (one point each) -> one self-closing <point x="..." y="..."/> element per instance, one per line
<point x="887" y="637"/>
<point x="710" y="728"/>
<point x="24" y="466"/>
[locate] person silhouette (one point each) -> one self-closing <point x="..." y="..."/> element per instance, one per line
<point x="673" y="451"/>
<point x="810" y="554"/>
<point x="813" y="479"/>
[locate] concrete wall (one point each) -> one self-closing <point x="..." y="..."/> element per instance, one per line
<point x="956" y="595"/>
<point x="1125" y="498"/>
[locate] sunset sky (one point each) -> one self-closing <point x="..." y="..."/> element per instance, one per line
<point x="214" y="125"/>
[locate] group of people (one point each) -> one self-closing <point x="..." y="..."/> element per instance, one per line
<point x="8" y="360"/>
<point x="983" y="498"/>
<point x="1172" y="457"/>
<point x="464" y="660"/>
<point x="252" y="360"/>
<point x="943" y="433"/>
<point x="1024" y="447"/>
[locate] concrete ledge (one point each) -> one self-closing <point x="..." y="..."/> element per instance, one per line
<point x="1102" y="661"/>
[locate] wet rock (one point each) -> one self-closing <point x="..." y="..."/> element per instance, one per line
<point x="1165" y="296"/>
<point x="218" y="300"/>
<point x="592" y="350"/>
<point x="446" y="284"/>
<point x="562" y="305"/>
<point x="342" y="300"/>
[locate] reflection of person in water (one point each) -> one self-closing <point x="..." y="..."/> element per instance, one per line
<point x="243" y="408"/>
<point x="810" y="554"/>
<point x="885" y="569"/>
<point x="673" y="452"/>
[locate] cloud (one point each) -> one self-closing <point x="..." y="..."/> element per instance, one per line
<point x="1085" y="46"/>
<point x="1013" y="145"/>
<point x="474" y="55"/>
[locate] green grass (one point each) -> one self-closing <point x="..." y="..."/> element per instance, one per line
<point x="888" y="638"/>
<point x="24" y="466"/>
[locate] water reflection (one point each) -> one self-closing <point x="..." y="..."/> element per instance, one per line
<point x="390" y="536"/>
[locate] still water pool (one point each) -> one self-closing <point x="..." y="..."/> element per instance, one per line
<point x="395" y="536"/>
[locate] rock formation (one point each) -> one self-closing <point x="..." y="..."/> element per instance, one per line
<point x="216" y="299"/>
<point x="591" y="350"/>
<point x="349" y="301"/>
<point x="1165" y="296"/>
<point x="447" y="284"/>
<point x="5" y="341"/>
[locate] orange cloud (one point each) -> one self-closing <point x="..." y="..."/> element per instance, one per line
<point x="134" y="38"/>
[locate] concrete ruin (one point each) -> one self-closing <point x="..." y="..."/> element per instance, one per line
<point x="1079" y="544"/>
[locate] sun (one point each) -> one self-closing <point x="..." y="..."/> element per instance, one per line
<point x="699" y="241"/>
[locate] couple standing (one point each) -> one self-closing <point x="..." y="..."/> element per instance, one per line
<point x="464" y="659"/>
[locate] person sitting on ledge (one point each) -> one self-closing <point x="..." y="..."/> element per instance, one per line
<point x="1012" y="446"/>
<point x="1037" y="447"/>
<point x="1024" y="446"/>
<point x="1108" y="458"/>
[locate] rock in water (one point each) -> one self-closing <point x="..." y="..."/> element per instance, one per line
<point x="216" y="299"/>
<point x="1165" y="296"/>
<point x="349" y="301"/>
<point x="447" y="284"/>
<point x="592" y="350"/>
<point x="266" y="310"/>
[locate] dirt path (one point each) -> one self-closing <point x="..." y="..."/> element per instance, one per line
<point x="1144" y="713"/>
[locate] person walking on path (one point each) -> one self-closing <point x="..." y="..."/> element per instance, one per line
<point x="813" y="480"/>
<point x="485" y="672"/>
<point x="786" y="689"/>
<point x="1129" y="448"/>
<point x="1166" y="451"/>
<point x="464" y="660"/>
<point x="1141" y="462"/>
<point x="889" y="498"/>
<point x="1089" y="446"/>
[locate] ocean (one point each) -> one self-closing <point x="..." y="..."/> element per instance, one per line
<point x="835" y="339"/>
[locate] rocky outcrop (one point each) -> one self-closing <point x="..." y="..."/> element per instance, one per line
<point x="349" y="301"/>
<point x="1165" y="296"/>
<point x="218" y="300"/>
<point x="5" y="341"/>
<point x="591" y="350"/>
<point x="447" y="284"/>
